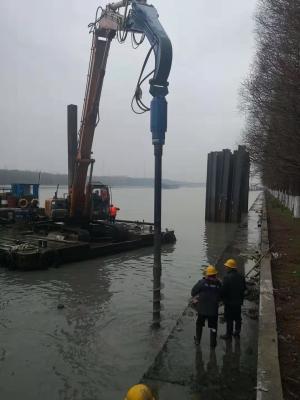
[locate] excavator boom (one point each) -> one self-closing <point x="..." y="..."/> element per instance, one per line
<point x="100" y="48"/>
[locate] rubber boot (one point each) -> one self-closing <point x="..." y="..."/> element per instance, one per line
<point x="213" y="338"/>
<point x="197" y="338"/>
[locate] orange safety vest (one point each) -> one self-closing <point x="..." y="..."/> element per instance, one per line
<point x="112" y="211"/>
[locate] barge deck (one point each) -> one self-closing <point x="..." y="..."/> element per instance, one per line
<point x="35" y="247"/>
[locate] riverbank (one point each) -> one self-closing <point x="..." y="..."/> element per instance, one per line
<point x="7" y="177"/>
<point x="284" y="237"/>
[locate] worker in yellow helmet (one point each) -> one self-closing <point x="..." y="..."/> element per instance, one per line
<point x="233" y="290"/>
<point x="207" y="292"/>
<point x="139" y="392"/>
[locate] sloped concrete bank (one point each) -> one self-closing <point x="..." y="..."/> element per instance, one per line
<point x="268" y="371"/>
<point x="242" y="370"/>
<point x="183" y="371"/>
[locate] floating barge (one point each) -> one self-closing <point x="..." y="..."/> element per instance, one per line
<point x="31" y="238"/>
<point x="42" y="245"/>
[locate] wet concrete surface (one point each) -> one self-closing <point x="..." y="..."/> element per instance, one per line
<point x="101" y="341"/>
<point x="228" y="372"/>
<point x="184" y="371"/>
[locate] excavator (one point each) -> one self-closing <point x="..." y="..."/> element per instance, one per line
<point x="82" y="214"/>
<point x="116" y="21"/>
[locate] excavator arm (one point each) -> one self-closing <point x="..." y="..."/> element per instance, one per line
<point x="141" y="18"/>
<point x="144" y="19"/>
<point x="99" y="52"/>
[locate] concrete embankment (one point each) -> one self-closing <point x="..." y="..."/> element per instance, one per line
<point x="268" y="370"/>
<point x="183" y="371"/>
<point x="242" y="369"/>
<point x="284" y="237"/>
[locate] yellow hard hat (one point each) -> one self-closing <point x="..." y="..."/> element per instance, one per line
<point x="230" y="263"/>
<point x="211" y="270"/>
<point x="139" y="392"/>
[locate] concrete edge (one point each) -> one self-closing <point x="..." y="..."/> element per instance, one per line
<point x="268" y="370"/>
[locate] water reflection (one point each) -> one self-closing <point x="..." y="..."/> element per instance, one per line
<point x="215" y="236"/>
<point x="80" y="346"/>
<point x="206" y="380"/>
<point x="210" y="372"/>
<point x="231" y="360"/>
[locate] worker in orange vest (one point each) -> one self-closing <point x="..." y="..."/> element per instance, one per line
<point x="112" y="212"/>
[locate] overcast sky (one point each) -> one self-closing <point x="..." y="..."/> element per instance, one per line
<point x="44" y="59"/>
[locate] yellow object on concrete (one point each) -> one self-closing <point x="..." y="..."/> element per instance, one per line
<point x="211" y="270"/>
<point x="230" y="263"/>
<point x="139" y="392"/>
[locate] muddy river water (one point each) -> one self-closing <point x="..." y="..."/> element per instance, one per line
<point x="101" y="342"/>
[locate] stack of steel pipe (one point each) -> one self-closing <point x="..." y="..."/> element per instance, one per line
<point x="227" y="185"/>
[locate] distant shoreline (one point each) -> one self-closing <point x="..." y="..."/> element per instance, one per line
<point x="8" y="177"/>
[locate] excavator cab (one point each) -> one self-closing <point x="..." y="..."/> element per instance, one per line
<point x="56" y="209"/>
<point x="100" y="201"/>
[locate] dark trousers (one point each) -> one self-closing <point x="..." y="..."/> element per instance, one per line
<point x="212" y="322"/>
<point x="112" y="219"/>
<point x="233" y="316"/>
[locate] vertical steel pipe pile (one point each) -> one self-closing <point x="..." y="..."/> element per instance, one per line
<point x="227" y="185"/>
<point x="208" y="187"/>
<point x="158" y="149"/>
<point x="158" y="117"/>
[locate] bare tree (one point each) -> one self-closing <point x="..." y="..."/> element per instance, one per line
<point x="270" y="95"/>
